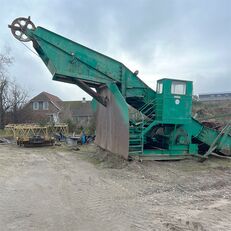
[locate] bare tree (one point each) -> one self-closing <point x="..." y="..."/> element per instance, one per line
<point x="18" y="98"/>
<point x="12" y="96"/>
<point x="5" y="61"/>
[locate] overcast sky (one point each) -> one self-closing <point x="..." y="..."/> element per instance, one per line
<point x="185" y="39"/>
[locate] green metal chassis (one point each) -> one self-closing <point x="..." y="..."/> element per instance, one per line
<point x="76" y="64"/>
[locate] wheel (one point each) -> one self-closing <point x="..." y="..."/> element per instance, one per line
<point x="19" y="28"/>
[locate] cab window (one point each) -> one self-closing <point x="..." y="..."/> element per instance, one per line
<point x="159" y="88"/>
<point x="178" y="88"/>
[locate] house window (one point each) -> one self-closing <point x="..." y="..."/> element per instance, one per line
<point x="178" y="88"/>
<point x="35" y="105"/>
<point x="159" y="88"/>
<point x="45" y="105"/>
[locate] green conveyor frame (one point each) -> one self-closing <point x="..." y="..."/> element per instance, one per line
<point x="115" y="87"/>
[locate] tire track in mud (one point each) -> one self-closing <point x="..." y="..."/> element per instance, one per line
<point x="99" y="199"/>
<point x="113" y="204"/>
<point x="152" y="196"/>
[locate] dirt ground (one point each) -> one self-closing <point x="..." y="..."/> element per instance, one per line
<point x="56" y="188"/>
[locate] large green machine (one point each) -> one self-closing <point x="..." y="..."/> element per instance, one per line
<point x="132" y="119"/>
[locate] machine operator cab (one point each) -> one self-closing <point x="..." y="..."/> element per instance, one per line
<point x="174" y="101"/>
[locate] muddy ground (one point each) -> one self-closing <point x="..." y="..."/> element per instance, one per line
<point x="56" y="188"/>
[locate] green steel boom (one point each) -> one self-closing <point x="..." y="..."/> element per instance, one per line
<point x="160" y="127"/>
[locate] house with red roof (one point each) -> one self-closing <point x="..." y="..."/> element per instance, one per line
<point x="46" y="107"/>
<point x="43" y="107"/>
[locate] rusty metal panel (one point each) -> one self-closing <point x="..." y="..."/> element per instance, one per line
<point x="112" y="126"/>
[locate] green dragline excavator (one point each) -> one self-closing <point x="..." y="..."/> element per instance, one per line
<point x="160" y="124"/>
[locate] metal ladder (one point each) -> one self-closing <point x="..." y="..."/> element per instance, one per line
<point x="136" y="139"/>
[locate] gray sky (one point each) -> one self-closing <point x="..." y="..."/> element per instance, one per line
<point x="185" y="39"/>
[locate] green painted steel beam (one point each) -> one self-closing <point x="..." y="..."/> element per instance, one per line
<point x="68" y="60"/>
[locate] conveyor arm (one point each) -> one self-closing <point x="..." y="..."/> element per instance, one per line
<point x="74" y="63"/>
